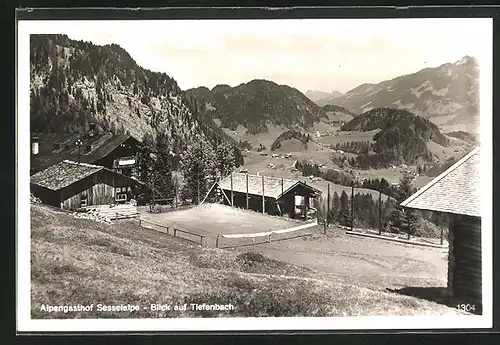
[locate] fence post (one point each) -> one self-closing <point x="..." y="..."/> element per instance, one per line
<point x="217" y="242"/>
<point x="441" y="241"/>
<point x="139" y="222"/>
<point x="201" y="239"/>
<point x="116" y="216"/>
<point x="270" y="237"/>
<point x="175" y="232"/>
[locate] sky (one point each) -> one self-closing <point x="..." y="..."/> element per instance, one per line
<point x="308" y="54"/>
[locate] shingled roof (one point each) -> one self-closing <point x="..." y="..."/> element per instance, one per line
<point x="55" y="147"/>
<point x="272" y="185"/>
<point x="457" y="190"/>
<point x="63" y="174"/>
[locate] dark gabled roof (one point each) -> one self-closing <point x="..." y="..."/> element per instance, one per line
<point x="65" y="173"/>
<point x="54" y="148"/>
<point x="457" y="190"/>
<point x="272" y="185"/>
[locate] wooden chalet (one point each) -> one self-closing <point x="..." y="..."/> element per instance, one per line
<point x="272" y="195"/>
<point x="457" y="193"/>
<point x="113" y="151"/>
<point x="71" y="185"/>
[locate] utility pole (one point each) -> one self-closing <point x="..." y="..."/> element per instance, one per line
<point x="352" y="206"/>
<point x="282" y="199"/>
<point x="198" y="184"/>
<point x="327" y="207"/>
<point x="380" y="211"/>
<point x="176" y="191"/>
<point x="79" y="144"/>
<point x="247" y="191"/>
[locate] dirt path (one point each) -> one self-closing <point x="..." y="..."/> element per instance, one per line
<point x="367" y="261"/>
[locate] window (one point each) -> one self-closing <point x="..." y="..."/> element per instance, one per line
<point x="83" y="200"/>
<point x="129" y="189"/>
<point x="121" y="197"/>
<point x="118" y="190"/>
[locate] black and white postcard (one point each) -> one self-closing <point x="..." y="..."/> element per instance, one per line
<point x="293" y="174"/>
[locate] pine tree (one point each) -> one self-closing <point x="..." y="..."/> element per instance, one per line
<point x="162" y="168"/>
<point x="226" y="161"/>
<point x="334" y="209"/>
<point x="144" y="173"/>
<point x="344" y="209"/>
<point x="198" y="167"/>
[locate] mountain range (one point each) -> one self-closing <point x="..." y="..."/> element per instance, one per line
<point x="447" y="95"/>
<point x="257" y="104"/>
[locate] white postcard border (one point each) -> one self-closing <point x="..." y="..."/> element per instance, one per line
<point x="26" y="324"/>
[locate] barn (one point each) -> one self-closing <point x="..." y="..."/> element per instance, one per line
<point x="113" y="151"/>
<point x="272" y="195"/>
<point x="71" y="185"/>
<point x="456" y="192"/>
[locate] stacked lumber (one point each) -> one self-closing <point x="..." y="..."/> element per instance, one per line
<point x="114" y="212"/>
<point x="92" y="215"/>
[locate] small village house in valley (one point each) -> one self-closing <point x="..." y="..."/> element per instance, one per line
<point x="71" y="185"/>
<point x="272" y="195"/>
<point x="457" y="193"/>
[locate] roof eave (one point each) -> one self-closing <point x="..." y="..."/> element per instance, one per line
<point x="438" y="178"/>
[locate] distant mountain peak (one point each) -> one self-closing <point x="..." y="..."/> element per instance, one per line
<point x="447" y="94"/>
<point x="465" y="60"/>
<point x="322" y="96"/>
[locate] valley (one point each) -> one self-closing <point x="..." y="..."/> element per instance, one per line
<point x="280" y="163"/>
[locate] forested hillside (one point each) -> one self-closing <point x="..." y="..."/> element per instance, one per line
<point x="74" y="83"/>
<point x="403" y="137"/>
<point x="256" y="104"/>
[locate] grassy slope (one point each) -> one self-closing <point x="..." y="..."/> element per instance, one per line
<point x="79" y="261"/>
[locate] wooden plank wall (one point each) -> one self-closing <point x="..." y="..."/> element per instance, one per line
<point x="465" y="278"/>
<point x="100" y="189"/>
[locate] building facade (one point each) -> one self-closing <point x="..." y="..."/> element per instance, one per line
<point x="456" y="192"/>
<point x="71" y="185"/>
<point x="271" y="195"/>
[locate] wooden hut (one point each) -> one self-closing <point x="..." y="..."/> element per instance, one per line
<point x="457" y="193"/>
<point x="72" y="185"/>
<point x="272" y="195"/>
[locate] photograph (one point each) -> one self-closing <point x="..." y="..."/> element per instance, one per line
<point x="254" y="174"/>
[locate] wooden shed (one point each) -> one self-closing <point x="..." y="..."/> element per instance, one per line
<point x="72" y="185"/>
<point x="457" y="193"/>
<point x="272" y="195"/>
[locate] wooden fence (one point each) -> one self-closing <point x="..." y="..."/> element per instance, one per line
<point x="173" y="231"/>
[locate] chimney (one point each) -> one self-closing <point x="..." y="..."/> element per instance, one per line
<point x="34" y="145"/>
